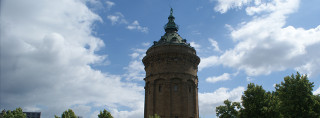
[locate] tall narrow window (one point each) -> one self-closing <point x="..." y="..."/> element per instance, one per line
<point x="189" y="89"/>
<point x="175" y="88"/>
<point x="160" y="87"/>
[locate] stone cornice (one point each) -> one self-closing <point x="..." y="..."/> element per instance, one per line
<point x="171" y="57"/>
<point x="171" y="73"/>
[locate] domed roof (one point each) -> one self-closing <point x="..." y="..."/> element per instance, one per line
<point x="171" y="37"/>
<point x="171" y="26"/>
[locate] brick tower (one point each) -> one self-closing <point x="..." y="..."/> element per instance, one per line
<point x="171" y="82"/>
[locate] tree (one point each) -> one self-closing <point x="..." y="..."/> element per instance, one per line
<point x="293" y="98"/>
<point x="105" y="114"/>
<point x="316" y="107"/>
<point x="254" y="102"/>
<point x="229" y="110"/>
<point x="155" y="116"/>
<point x="296" y="98"/>
<point x="18" y="113"/>
<point x="67" y="114"/>
<point x="272" y="108"/>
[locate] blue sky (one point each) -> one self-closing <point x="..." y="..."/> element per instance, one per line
<point x="86" y="54"/>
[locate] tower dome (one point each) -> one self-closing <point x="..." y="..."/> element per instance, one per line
<point x="171" y="37"/>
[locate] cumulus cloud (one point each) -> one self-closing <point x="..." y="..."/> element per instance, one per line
<point x="214" y="44"/>
<point x="249" y="79"/>
<point x="264" y="44"/>
<point x="207" y="62"/>
<point x="110" y="4"/>
<point x="45" y="61"/>
<point x="195" y="45"/>
<point x="209" y="101"/>
<point x="117" y="18"/>
<point x="224" y="5"/>
<point x="223" y="77"/>
<point x="135" y="69"/>
<point x="136" y="26"/>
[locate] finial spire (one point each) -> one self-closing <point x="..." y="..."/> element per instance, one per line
<point x="171" y="25"/>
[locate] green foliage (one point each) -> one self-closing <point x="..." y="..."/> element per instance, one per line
<point x="155" y="116"/>
<point x="254" y="102"/>
<point x="18" y="113"/>
<point x="316" y="107"/>
<point x="296" y="98"/>
<point x="229" y="110"/>
<point x="272" y="105"/>
<point x="293" y="98"/>
<point x="67" y="114"/>
<point x="105" y="114"/>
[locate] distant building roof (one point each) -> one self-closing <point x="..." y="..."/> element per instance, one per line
<point x="33" y="114"/>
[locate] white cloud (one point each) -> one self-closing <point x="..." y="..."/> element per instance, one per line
<point x="214" y="44"/>
<point x="229" y="27"/>
<point x="135" y="69"/>
<point x="223" y="77"/>
<point x="209" y="101"/>
<point x="81" y="110"/>
<point x="285" y="7"/>
<point x="146" y="44"/>
<point x="316" y="92"/>
<point x="136" y="26"/>
<point x="117" y="18"/>
<point x="95" y="114"/>
<point x="46" y="53"/>
<point x="195" y="45"/>
<point x="208" y="62"/>
<point x="137" y="113"/>
<point x="264" y="45"/>
<point x="249" y="79"/>
<point x="134" y="55"/>
<point x="113" y="18"/>
<point x="110" y="4"/>
<point x="224" y="5"/>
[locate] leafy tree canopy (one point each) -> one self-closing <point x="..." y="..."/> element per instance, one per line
<point x="105" y="114"/>
<point x="296" y="97"/>
<point x="67" y="114"/>
<point x="229" y="110"/>
<point x="293" y="98"/>
<point x="18" y="113"/>
<point x="253" y="101"/>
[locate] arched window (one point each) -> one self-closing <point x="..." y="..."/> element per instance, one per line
<point x="158" y="85"/>
<point x="175" y="87"/>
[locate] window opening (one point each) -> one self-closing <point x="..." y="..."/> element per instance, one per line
<point x="175" y="88"/>
<point x="160" y="87"/>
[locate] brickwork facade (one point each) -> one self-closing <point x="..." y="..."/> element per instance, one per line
<point x="171" y="82"/>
